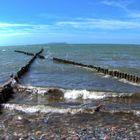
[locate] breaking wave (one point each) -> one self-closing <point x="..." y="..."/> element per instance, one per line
<point x="46" y="109"/>
<point x="72" y="110"/>
<point x="3" y="50"/>
<point x="84" y="94"/>
<point x="80" y="94"/>
<point x="48" y="55"/>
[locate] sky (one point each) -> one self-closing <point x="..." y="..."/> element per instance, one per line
<point x="71" y="21"/>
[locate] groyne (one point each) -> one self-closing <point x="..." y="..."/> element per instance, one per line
<point x="6" y="90"/>
<point x="30" y="54"/>
<point x="98" y="69"/>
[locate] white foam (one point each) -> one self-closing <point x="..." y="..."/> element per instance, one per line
<point x="136" y="112"/>
<point x="35" y="90"/>
<point x="49" y="109"/>
<point x="41" y="90"/>
<point x="45" y="109"/>
<point x="106" y="76"/>
<point x="122" y="80"/>
<point x="78" y="94"/>
<point x="48" y="55"/>
<point x="84" y="94"/>
<point x="128" y="82"/>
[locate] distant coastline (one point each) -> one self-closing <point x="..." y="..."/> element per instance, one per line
<point x="65" y="43"/>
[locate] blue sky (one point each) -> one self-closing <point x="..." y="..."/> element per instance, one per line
<point x="72" y="21"/>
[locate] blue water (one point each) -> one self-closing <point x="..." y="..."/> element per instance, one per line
<point x="125" y="58"/>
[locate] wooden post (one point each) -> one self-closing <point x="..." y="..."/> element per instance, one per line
<point x="117" y="74"/>
<point x="30" y="54"/>
<point x="6" y="89"/>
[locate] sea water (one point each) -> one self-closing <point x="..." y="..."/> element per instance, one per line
<point x="82" y="88"/>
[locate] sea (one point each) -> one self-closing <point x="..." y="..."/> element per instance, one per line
<point x="83" y="88"/>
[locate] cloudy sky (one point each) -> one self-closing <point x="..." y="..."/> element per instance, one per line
<point x="72" y="21"/>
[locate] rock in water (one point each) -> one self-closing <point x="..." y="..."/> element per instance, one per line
<point x="55" y="93"/>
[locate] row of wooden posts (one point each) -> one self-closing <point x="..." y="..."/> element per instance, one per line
<point x="113" y="73"/>
<point x="6" y="89"/>
<point x="30" y="54"/>
<point x="117" y="74"/>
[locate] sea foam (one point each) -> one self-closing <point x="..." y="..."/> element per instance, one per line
<point x="46" y="109"/>
<point x="60" y="110"/>
<point x="79" y="94"/>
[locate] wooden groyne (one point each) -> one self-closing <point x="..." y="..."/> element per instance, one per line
<point x="25" y="68"/>
<point x="116" y="74"/>
<point x="30" y="54"/>
<point x="6" y="90"/>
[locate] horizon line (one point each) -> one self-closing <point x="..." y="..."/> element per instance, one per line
<point x="66" y="43"/>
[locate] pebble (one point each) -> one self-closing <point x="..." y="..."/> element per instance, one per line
<point x="19" y="120"/>
<point x="61" y="131"/>
<point x="38" y="133"/>
<point x="75" y="138"/>
<point x="107" y="137"/>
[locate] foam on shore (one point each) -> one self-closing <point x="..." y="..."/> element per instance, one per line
<point x="45" y="109"/>
<point x="75" y="110"/>
<point x="80" y="94"/>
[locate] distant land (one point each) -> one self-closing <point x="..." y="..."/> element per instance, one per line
<point x="66" y="43"/>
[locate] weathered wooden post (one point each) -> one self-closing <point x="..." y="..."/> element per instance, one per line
<point x="120" y="75"/>
<point x="30" y="54"/>
<point x="7" y="89"/>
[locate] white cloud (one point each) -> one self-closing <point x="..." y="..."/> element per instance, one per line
<point x="117" y="3"/>
<point x="79" y="29"/>
<point x="100" y="24"/>
<point x="123" y="4"/>
<point x="13" y="25"/>
<point x="74" y="26"/>
<point x="135" y="14"/>
<point x="10" y="29"/>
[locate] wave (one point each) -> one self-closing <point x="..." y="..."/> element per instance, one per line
<point x="3" y="50"/>
<point x="46" y="109"/>
<point x="49" y="109"/>
<point x="48" y="55"/>
<point x="84" y="94"/>
<point x="79" y="94"/>
<point x="109" y="76"/>
<point x="128" y="82"/>
<point x="122" y="80"/>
